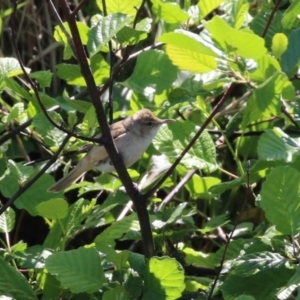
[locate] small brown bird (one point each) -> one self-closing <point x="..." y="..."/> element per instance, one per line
<point x="132" y="136"/>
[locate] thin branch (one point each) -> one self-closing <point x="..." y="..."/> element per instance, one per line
<point x="275" y="8"/>
<point x="231" y="233"/>
<point x="15" y="131"/>
<point x="29" y="183"/>
<point x="193" y="140"/>
<point x="111" y="80"/>
<point x="176" y="189"/>
<point x="140" y="204"/>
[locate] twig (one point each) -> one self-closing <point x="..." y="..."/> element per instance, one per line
<point x="15" y="131"/>
<point x="275" y="8"/>
<point x="139" y="202"/>
<point x="231" y="234"/>
<point x="194" y="139"/>
<point x="182" y="182"/>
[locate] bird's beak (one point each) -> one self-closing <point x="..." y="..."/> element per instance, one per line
<point x="167" y="121"/>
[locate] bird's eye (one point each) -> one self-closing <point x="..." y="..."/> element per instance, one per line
<point x="150" y="124"/>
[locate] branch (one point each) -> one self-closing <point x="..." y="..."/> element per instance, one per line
<point x="191" y="143"/>
<point x="106" y="135"/>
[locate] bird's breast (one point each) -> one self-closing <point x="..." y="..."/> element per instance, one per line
<point x="130" y="146"/>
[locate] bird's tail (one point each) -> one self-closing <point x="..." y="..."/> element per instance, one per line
<point x="82" y="167"/>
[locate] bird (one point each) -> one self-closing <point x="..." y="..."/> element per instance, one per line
<point x="132" y="136"/>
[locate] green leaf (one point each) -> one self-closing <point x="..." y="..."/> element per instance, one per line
<point x="70" y="73"/>
<point x="7" y="220"/>
<point x="15" y="88"/>
<point x="262" y="285"/>
<point x="165" y="279"/>
<point x="189" y="52"/>
<point x="117" y="230"/>
<point x="198" y="187"/>
<point x="239" y="13"/>
<point x="31" y="197"/>
<point x="78" y="270"/>
<point x="265" y="100"/>
<point x="198" y="258"/>
<point x="207" y="6"/>
<point x="129" y="36"/>
<point x="253" y="263"/>
<point x="170" y="12"/>
<point x="118" y="292"/>
<point x="43" y="78"/>
<point x="79" y="105"/>
<point x="107" y="27"/>
<point x="233" y="41"/>
<point x="291" y="57"/>
<point x="279" y="44"/>
<point x="51" y="135"/>
<point x="291" y="15"/>
<point x="68" y="227"/>
<point x="280" y="198"/>
<point x="267" y="66"/>
<point x="17" y="111"/>
<point x="173" y="139"/>
<point x="13" y="284"/>
<point x="10" y="67"/>
<point x="275" y="145"/>
<point x="61" y="37"/>
<point x="128" y="7"/>
<point x="214" y="223"/>
<point x="33" y="257"/>
<point x="152" y="78"/>
<point x="53" y="209"/>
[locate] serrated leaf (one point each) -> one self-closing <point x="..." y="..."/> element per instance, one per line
<point x="233" y="41"/>
<point x="118" y="292"/>
<point x="7" y="220"/>
<point x="43" y="78"/>
<point x="275" y="145"/>
<point x="291" y="15"/>
<point x="165" y="279"/>
<point x="279" y="44"/>
<point x="152" y="78"/>
<point x="198" y="258"/>
<point x="207" y="6"/>
<point x="20" y="172"/>
<point x="130" y="36"/>
<point x="239" y="13"/>
<point x="79" y="270"/>
<point x="291" y="57"/>
<point x="10" y="67"/>
<point x="53" y="209"/>
<point x="173" y="139"/>
<point x="198" y="187"/>
<point x="280" y="198"/>
<point x="265" y="100"/>
<point x="214" y="222"/>
<point x="60" y="37"/>
<point x="70" y="73"/>
<point x="170" y="12"/>
<point x="17" y="111"/>
<point x="31" y="197"/>
<point x="250" y="264"/>
<point x="105" y="30"/>
<point x="262" y="285"/>
<point x="188" y="52"/>
<point x="117" y="230"/>
<point x="13" y="284"/>
<point x="128" y="7"/>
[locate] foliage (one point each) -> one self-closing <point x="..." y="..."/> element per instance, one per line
<point x="224" y="219"/>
